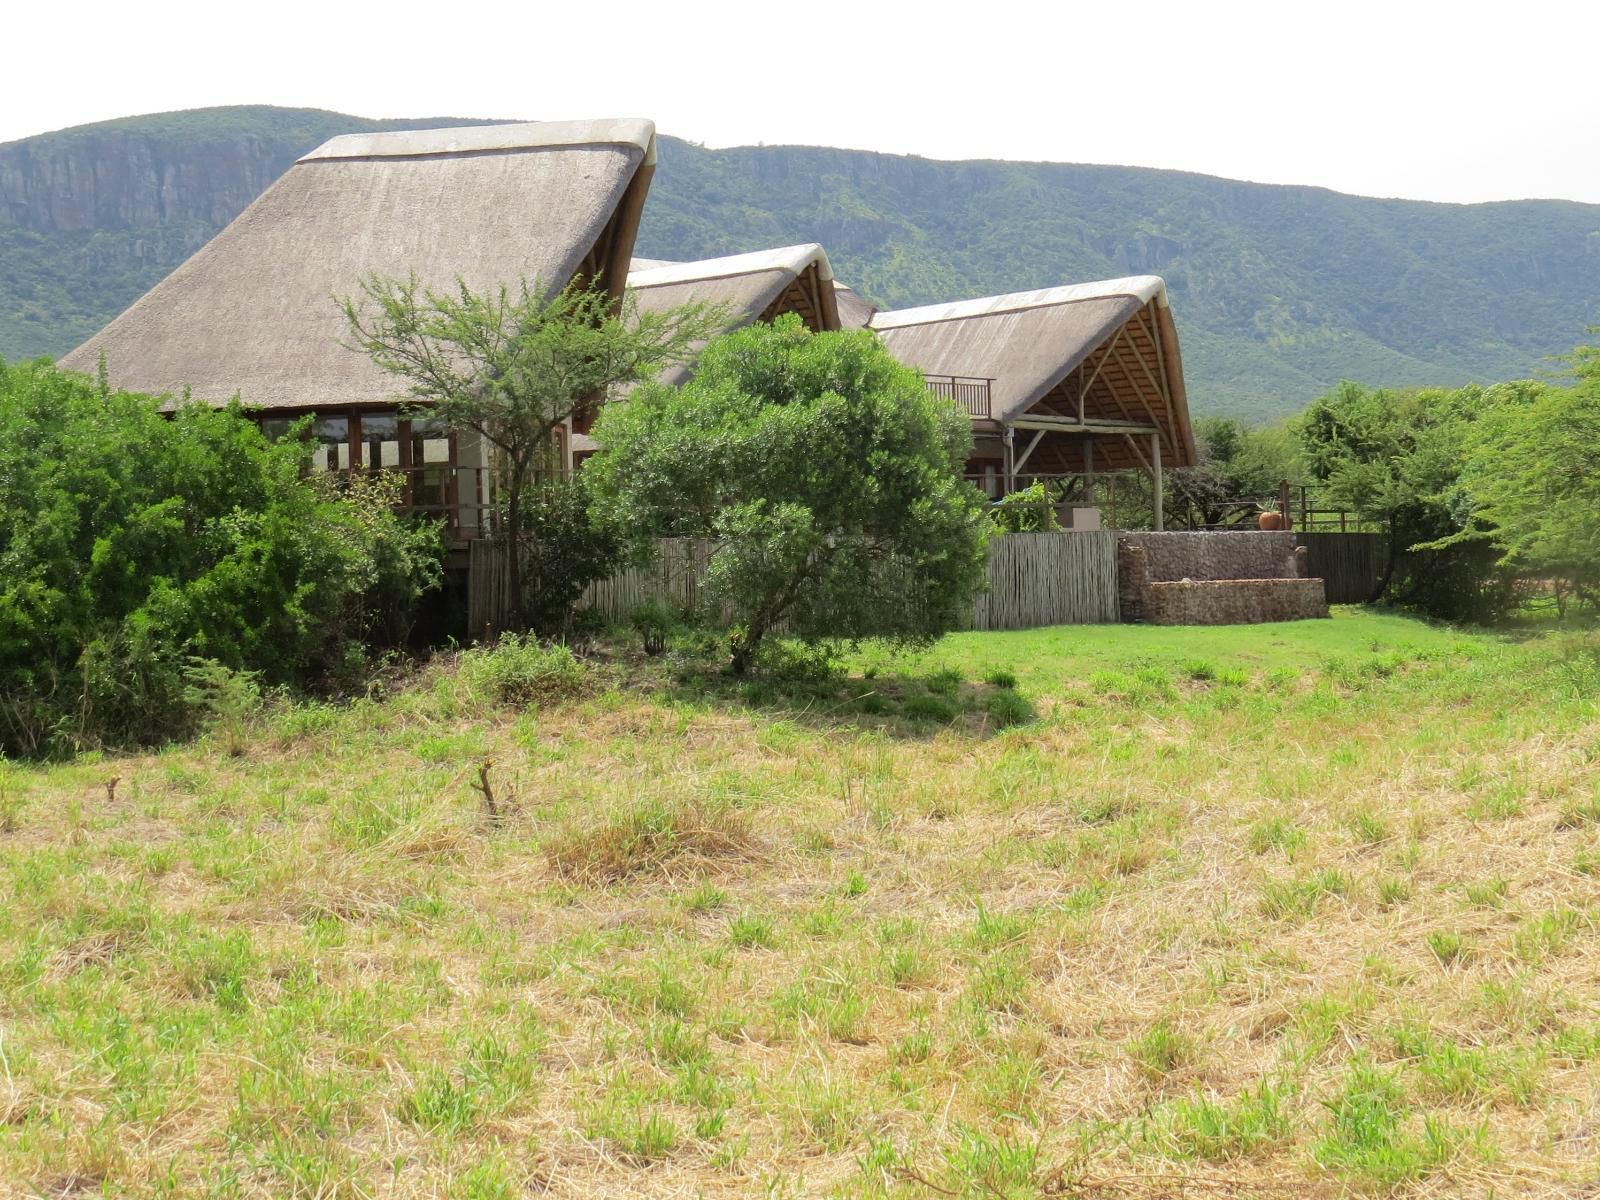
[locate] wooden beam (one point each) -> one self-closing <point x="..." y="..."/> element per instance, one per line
<point x="1109" y="346"/>
<point x="1065" y="425"/>
<point x="1139" y="454"/>
<point x="1023" y="461"/>
<point x="1166" y="379"/>
<point x="1161" y="373"/>
<point x="1133" y="383"/>
<point x="1155" y="456"/>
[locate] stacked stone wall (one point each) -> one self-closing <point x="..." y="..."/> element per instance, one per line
<point x="1243" y="555"/>
<point x="1234" y="601"/>
<point x="1215" y="578"/>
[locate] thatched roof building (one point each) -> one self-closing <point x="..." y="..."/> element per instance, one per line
<point x="755" y="287"/>
<point x="253" y="310"/>
<point x="1093" y="367"/>
<point x="855" y="311"/>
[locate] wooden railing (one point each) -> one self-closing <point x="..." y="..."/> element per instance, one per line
<point x="969" y="391"/>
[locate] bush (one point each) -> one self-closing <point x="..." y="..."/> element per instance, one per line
<point x="1030" y="510"/>
<point x="1007" y="707"/>
<point x="132" y="542"/>
<point x="521" y="671"/>
<point x="567" y="548"/>
<point x="931" y="708"/>
<point x="828" y="475"/>
<point x="653" y="622"/>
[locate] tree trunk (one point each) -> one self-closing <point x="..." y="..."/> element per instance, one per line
<point x="744" y="652"/>
<point x="514" y="545"/>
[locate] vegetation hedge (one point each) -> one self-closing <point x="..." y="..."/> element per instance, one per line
<point x="136" y="543"/>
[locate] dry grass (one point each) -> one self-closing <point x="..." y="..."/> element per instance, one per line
<point x="1303" y="910"/>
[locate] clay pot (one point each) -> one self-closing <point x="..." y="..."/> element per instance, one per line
<point x="1270" y="521"/>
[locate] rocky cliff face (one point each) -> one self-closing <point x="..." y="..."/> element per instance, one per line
<point x="123" y="180"/>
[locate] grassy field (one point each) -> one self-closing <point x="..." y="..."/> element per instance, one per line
<point x="1281" y="910"/>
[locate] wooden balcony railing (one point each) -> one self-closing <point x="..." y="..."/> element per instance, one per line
<point x="969" y="391"/>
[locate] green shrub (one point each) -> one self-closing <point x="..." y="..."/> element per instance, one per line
<point x="1009" y="708"/>
<point x="1027" y="511"/>
<point x="653" y="622"/>
<point x="568" y="547"/>
<point x="521" y="671"/>
<point x="931" y="708"/>
<point x="133" y="542"/>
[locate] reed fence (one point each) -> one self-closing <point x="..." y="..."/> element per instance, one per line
<point x="1034" y="580"/>
<point x="1349" y="564"/>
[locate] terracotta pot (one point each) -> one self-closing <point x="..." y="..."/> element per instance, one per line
<point x="1270" y="521"/>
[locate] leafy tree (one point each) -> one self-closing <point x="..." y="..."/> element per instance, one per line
<point x="1531" y="480"/>
<point x="1236" y="463"/>
<point x="516" y="363"/>
<point x="132" y="542"/>
<point x="828" y="474"/>
<point x="1395" y="458"/>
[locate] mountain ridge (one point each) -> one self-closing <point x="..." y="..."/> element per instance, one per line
<point x="1280" y="290"/>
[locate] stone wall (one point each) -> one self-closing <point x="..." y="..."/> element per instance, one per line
<point x="1234" y="601"/>
<point x="1247" y="554"/>
<point x="1215" y="578"/>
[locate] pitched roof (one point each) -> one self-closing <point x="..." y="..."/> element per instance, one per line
<point x="1030" y="343"/>
<point x="747" y="283"/>
<point x="855" y="311"/>
<point x="753" y="286"/>
<point x="253" y="311"/>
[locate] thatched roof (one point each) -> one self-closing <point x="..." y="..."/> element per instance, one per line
<point x="855" y="311"/>
<point x="755" y="287"/>
<point x="1107" y="351"/>
<point x="253" y="310"/>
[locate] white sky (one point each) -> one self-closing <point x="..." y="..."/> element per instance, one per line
<point x="1457" y="100"/>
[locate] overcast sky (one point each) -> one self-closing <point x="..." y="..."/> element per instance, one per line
<point x="1459" y="101"/>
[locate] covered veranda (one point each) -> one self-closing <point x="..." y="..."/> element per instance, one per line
<point x="1068" y="385"/>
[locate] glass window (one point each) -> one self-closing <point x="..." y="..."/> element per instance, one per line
<point x="380" y="440"/>
<point x="275" y="429"/>
<point x="430" y="464"/>
<point x="332" y="435"/>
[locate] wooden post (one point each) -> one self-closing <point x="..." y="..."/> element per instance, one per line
<point x="1088" y="470"/>
<point x="1009" y="438"/>
<point x="1283" y="501"/>
<point x="1155" y="473"/>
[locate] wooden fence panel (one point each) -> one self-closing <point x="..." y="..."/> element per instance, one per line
<point x="1038" y="579"/>
<point x="488" y="588"/>
<point x="673" y="579"/>
<point x="1350" y="564"/>
<point x="1035" y="579"/>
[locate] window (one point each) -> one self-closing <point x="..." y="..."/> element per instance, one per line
<point x="332" y="435"/>
<point x="275" y="429"/>
<point x="380" y="440"/>
<point x="430" y="464"/>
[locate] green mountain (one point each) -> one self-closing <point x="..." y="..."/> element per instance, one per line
<point x="1279" y="291"/>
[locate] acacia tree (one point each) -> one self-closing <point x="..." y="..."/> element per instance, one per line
<point x="515" y="363"/>
<point x="827" y="473"/>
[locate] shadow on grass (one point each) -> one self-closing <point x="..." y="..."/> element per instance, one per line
<point x="813" y="691"/>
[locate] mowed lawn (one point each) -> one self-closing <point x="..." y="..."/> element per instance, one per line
<point x="1282" y="910"/>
